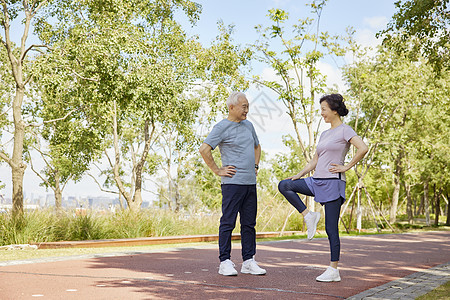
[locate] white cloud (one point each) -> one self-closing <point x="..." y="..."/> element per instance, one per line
<point x="376" y="23"/>
<point x="334" y="75"/>
<point x="366" y="38"/>
<point x="270" y="74"/>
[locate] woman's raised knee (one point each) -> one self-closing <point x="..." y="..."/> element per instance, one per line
<point x="283" y="185"/>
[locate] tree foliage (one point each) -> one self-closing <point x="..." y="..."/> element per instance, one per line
<point x="134" y="72"/>
<point x="428" y="23"/>
<point x="396" y="98"/>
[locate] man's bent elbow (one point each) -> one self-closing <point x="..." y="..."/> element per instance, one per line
<point x="365" y="149"/>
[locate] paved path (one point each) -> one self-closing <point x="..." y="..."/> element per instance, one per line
<point x="409" y="287"/>
<point x="379" y="266"/>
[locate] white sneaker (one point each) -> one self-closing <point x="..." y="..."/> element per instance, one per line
<point x="330" y="274"/>
<point x="311" y="220"/>
<point x="250" y="266"/>
<point x="227" y="268"/>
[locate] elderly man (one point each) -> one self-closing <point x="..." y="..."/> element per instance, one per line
<point x="240" y="151"/>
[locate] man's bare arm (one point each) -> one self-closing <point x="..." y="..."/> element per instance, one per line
<point x="205" y="151"/>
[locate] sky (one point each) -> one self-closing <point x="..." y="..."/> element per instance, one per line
<point x="366" y="17"/>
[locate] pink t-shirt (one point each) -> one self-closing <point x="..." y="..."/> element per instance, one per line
<point x="332" y="148"/>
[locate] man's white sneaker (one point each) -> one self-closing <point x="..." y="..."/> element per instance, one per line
<point x="250" y="266"/>
<point x="227" y="268"/>
<point x="330" y="274"/>
<point x="311" y="220"/>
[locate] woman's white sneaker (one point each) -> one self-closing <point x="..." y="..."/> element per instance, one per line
<point x="311" y="220"/>
<point x="227" y="268"/>
<point x="330" y="274"/>
<point x="250" y="266"/>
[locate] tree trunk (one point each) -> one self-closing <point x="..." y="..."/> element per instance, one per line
<point x="409" y="209"/>
<point x="359" y="211"/>
<point x="421" y="208"/>
<point x="426" y="203"/>
<point x="58" y="192"/>
<point x="394" y="204"/>
<point x="437" y="198"/>
<point x="351" y="214"/>
<point x="396" y="193"/>
<point x="136" y="202"/>
<point x="121" y="202"/>
<point x="116" y="167"/>
<point x="176" y="196"/>
<point x="448" y="212"/>
<point x="137" y="199"/>
<point x="16" y="163"/>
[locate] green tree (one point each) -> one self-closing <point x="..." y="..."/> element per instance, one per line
<point x="300" y="80"/>
<point x="20" y="65"/>
<point x="428" y="23"/>
<point x="137" y="64"/>
<point x="219" y="73"/>
<point x="395" y="95"/>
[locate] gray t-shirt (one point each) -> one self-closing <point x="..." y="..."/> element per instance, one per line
<point x="237" y="142"/>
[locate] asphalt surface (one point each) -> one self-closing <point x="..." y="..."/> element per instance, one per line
<point x="368" y="263"/>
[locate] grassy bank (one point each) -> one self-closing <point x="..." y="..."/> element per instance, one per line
<point x="47" y="226"/>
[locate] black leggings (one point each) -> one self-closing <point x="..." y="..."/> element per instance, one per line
<point x="332" y="211"/>
<point x="289" y="188"/>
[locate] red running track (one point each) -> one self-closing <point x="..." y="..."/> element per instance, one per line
<point x="191" y="273"/>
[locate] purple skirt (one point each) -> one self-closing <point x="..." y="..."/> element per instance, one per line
<point x="326" y="189"/>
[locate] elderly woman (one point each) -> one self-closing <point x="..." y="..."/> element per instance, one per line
<point x="327" y="185"/>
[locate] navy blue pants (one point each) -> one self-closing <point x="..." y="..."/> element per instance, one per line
<point x="289" y="189"/>
<point x="238" y="199"/>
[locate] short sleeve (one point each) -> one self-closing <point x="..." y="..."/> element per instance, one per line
<point x="255" y="137"/>
<point x="214" y="137"/>
<point x="348" y="133"/>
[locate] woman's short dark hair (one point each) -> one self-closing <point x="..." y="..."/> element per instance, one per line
<point x="336" y="103"/>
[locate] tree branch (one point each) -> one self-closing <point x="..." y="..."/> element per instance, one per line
<point x="22" y="57"/>
<point x="54" y="120"/>
<point x="28" y="79"/>
<point x="109" y="159"/>
<point x="99" y="185"/>
<point x="5" y="112"/>
<point x="43" y="155"/>
<point x="34" y="11"/>
<point x="38" y="174"/>
<point x="84" y="78"/>
<point x="5" y="157"/>
<point x="65" y="183"/>
<point x="8" y="44"/>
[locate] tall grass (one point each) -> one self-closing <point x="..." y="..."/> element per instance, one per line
<point x="46" y="225"/>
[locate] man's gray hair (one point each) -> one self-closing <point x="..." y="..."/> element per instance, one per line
<point x="233" y="99"/>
